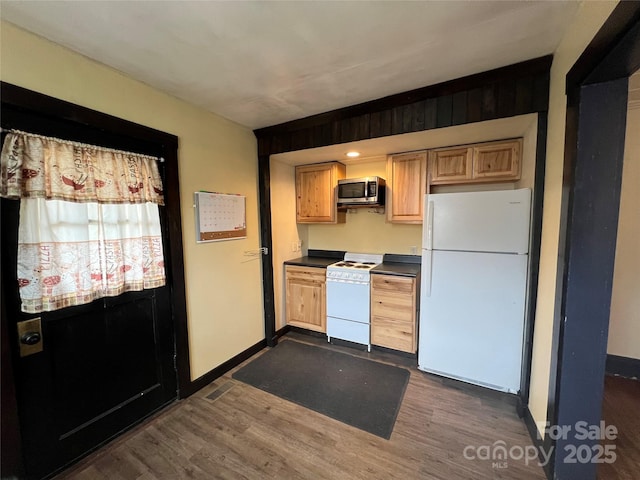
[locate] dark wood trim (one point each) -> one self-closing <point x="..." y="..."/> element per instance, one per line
<point x="283" y="331"/>
<point x="223" y="368"/>
<point x="107" y="126"/>
<point x="623" y="366"/>
<point x="534" y="255"/>
<point x="10" y="440"/>
<point x="624" y="59"/>
<point x="504" y="92"/>
<point x="594" y="199"/>
<point x="304" y="331"/>
<point x="264" y="196"/>
<point x="592" y="67"/>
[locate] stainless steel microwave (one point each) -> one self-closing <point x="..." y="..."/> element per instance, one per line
<point x="368" y="191"/>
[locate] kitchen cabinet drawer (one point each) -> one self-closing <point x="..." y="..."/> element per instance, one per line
<point x="307" y="273"/>
<point x="396" y="284"/>
<point x="393" y="306"/>
<point x="347" y="330"/>
<point x="390" y="333"/>
<point x="393" y="312"/>
<point x="305" y="292"/>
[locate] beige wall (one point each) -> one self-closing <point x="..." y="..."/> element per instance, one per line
<point x="624" y="323"/>
<point x="224" y="292"/>
<point x="586" y="24"/>
<point x="365" y="230"/>
<point x="285" y="233"/>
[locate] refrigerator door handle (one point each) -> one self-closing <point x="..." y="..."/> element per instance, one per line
<point x="430" y="207"/>
<point x="426" y="275"/>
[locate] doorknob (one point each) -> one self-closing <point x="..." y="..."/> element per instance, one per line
<point x="30" y="336"/>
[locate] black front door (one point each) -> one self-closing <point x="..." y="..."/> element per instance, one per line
<point x="103" y="366"/>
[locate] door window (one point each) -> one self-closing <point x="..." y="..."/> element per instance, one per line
<point x="89" y="220"/>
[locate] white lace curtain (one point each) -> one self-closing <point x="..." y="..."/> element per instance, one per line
<point x="89" y="220"/>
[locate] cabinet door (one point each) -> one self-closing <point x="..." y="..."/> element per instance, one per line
<point x="316" y="192"/>
<point x="452" y="165"/>
<point x="497" y="160"/>
<point x="406" y="186"/>
<point x="306" y="297"/>
<point x="393" y="312"/>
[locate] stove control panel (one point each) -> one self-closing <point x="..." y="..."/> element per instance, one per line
<point x="341" y="275"/>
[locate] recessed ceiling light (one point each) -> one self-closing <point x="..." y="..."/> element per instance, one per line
<point x="353" y="154"/>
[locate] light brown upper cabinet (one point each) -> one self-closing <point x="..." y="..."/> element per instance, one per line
<point x="483" y="162"/>
<point x="406" y="186"/>
<point x="316" y="200"/>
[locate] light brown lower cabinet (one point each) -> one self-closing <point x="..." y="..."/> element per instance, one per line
<point x="393" y="312"/>
<point x="306" y="297"/>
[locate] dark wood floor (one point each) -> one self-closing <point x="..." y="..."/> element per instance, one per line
<point x="621" y="408"/>
<point x="232" y="430"/>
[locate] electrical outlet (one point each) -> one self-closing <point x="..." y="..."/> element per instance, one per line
<point x="413" y="250"/>
<point x="294" y="246"/>
<point x="298" y="245"/>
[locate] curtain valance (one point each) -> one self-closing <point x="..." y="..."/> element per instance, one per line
<point x="34" y="166"/>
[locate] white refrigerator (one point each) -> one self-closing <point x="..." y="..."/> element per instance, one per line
<point x="474" y="275"/>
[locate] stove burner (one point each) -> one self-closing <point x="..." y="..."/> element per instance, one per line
<point x="365" y="265"/>
<point x="344" y="264"/>
<point x="368" y="263"/>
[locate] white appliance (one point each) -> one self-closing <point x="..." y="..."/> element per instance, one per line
<point x="348" y="297"/>
<point x="474" y="275"/>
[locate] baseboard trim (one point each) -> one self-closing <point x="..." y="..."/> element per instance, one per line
<point x="283" y="331"/>
<point x="538" y="442"/>
<point x="221" y="369"/>
<point x="623" y="366"/>
<point x="304" y="331"/>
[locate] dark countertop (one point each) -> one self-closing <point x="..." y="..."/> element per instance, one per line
<point x="397" y="268"/>
<point x="404" y="265"/>
<point x="308" y="261"/>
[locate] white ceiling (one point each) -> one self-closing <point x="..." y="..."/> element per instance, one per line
<point x="261" y="63"/>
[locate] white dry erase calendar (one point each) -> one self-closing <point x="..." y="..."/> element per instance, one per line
<point x="219" y="216"/>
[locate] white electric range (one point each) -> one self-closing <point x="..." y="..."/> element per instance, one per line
<point x="348" y="298"/>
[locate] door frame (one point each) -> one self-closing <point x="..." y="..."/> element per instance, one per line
<point x="106" y="130"/>
<point x="597" y="88"/>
